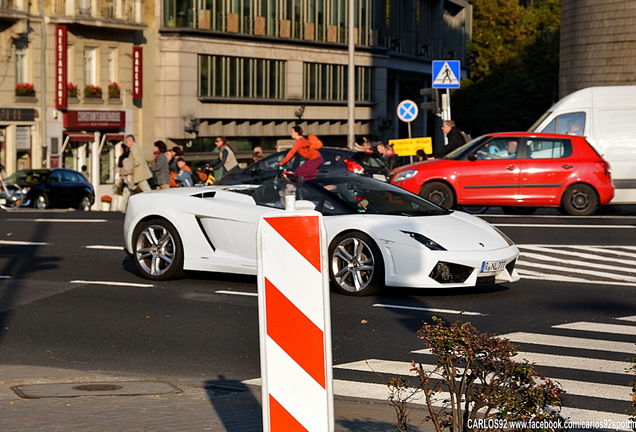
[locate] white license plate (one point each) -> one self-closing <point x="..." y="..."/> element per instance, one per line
<point x="492" y="266"/>
<point x="379" y="177"/>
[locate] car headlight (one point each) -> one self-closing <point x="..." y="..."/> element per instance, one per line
<point x="405" y="175"/>
<point x="425" y="241"/>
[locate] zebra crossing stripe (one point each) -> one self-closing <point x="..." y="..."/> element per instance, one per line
<point x="599" y="327"/>
<point x="599" y="254"/>
<point x="526" y="274"/>
<point x="571" y="342"/>
<point x="594" y="265"/>
<point x="579" y="388"/>
<point x="577" y="270"/>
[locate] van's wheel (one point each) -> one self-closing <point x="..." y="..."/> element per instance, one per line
<point x="438" y="193"/>
<point x="356" y="267"/>
<point x="579" y="200"/>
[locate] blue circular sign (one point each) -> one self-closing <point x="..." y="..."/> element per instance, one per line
<point x="407" y="111"/>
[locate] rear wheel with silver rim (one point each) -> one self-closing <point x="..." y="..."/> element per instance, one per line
<point x="356" y="267"/>
<point x="157" y="250"/>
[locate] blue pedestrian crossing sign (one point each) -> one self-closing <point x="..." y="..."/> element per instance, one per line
<point x="407" y="111"/>
<point x="446" y="74"/>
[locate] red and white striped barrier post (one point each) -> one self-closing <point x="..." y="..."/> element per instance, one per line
<point x="295" y="327"/>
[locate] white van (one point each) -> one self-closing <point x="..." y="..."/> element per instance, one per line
<point x="606" y="116"/>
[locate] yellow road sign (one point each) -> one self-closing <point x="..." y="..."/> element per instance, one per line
<point x="410" y="146"/>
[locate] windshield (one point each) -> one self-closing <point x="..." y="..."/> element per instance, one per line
<point x="374" y="197"/>
<point x="460" y="153"/>
<point x="28" y="177"/>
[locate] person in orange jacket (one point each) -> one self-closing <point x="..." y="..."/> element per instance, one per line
<point x="313" y="158"/>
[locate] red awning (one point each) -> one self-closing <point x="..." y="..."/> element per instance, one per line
<point x="114" y="136"/>
<point x="80" y="137"/>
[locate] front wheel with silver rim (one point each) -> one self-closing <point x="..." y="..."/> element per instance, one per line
<point x="356" y="267"/>
<point x="85" y="203"/>
<point x="41" y="202"/>
<point x="157" y="250"/>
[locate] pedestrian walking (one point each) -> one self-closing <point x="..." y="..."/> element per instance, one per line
<point x="141" y="171"/>
<point x="159" y="167"/>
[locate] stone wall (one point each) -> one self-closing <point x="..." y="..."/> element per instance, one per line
<point x="598" y="44"/>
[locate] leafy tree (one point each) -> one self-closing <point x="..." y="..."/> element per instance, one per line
<point x="514" y="67"/>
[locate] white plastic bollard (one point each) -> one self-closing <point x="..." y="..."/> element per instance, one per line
<point x="295" y="326"/>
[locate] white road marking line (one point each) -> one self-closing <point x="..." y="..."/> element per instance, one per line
<point x="22" y="243"/>
<point x="570" y="342"/>
<point x="561" y="361"/>
<point x="599" y="327"/>
<point x="237" y="293"/>
<point x="112" y="283"/>
<point x="450" y="311"/>
<point x="577" y="270"/>
<point x="596" y="257"/>
<point x="628" y="318"/>
<point x="105" y="247"/>
<point x="579" y="388"/>
<point x="5" y="277"/>
<point x="62" y="220"/>
<point x="525" y="274"/>
<point x="576" y="264"/>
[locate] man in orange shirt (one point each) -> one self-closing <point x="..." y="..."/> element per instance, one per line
<point x="308" y="170"/>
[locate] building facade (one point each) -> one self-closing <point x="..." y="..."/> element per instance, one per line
<point x="79" y="74"/>
<point x="598" y="44"/>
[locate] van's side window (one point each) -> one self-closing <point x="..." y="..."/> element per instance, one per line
<point x="567" y="124"/>
<point x="549" y="148"/>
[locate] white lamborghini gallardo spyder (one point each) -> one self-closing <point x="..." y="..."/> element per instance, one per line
<point x="378" y="235"/>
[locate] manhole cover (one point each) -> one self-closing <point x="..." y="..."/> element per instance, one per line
<point x="119" y="388"/>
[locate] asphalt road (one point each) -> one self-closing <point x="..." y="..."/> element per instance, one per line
<point x="70" y="298"/>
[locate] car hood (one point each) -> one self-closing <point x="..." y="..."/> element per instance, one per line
<point x="457" y="231"/>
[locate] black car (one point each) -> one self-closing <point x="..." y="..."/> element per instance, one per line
<point x="337" y="162"/>
<point x="57" y="187"/>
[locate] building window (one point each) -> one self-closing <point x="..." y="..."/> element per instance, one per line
<point x="21" y="66"/>
<point x="329" y="82"/>
<point x="90" y="66"/>
<point x="240" y="77"/>
<point x="112" y="64"/>
<point x="319" y="20"/>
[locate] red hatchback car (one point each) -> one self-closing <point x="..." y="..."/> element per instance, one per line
<point x="517" y="171"/>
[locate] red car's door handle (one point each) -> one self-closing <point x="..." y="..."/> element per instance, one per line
<point x="511" y="168"/>
<point x="568" y="166"/>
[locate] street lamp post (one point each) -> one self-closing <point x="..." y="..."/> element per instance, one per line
<point x="351" y="93"/>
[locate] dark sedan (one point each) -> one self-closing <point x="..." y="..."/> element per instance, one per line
<point x="54" y="188"/>
<point x="337" y="162"/>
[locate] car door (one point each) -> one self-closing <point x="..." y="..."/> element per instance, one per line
<point x="57" y="189"/>
<point x="75" y="187"/>
<point x="545" y="171"/>
<point x="489" y="175"/>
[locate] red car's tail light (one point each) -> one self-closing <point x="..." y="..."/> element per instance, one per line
<point x="353" y="166"/>
<point x="604" y="167"/>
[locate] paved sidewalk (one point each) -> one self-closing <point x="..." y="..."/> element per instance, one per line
<point x="42" y="399"/>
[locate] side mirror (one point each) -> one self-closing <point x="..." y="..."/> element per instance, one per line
<point x="472" y="157"/>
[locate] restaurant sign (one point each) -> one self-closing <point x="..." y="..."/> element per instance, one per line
<point x="94" y="120"/>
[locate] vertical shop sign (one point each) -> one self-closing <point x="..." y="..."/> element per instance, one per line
<point x="60" y="66"/>
<point x="138" y="69"/>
